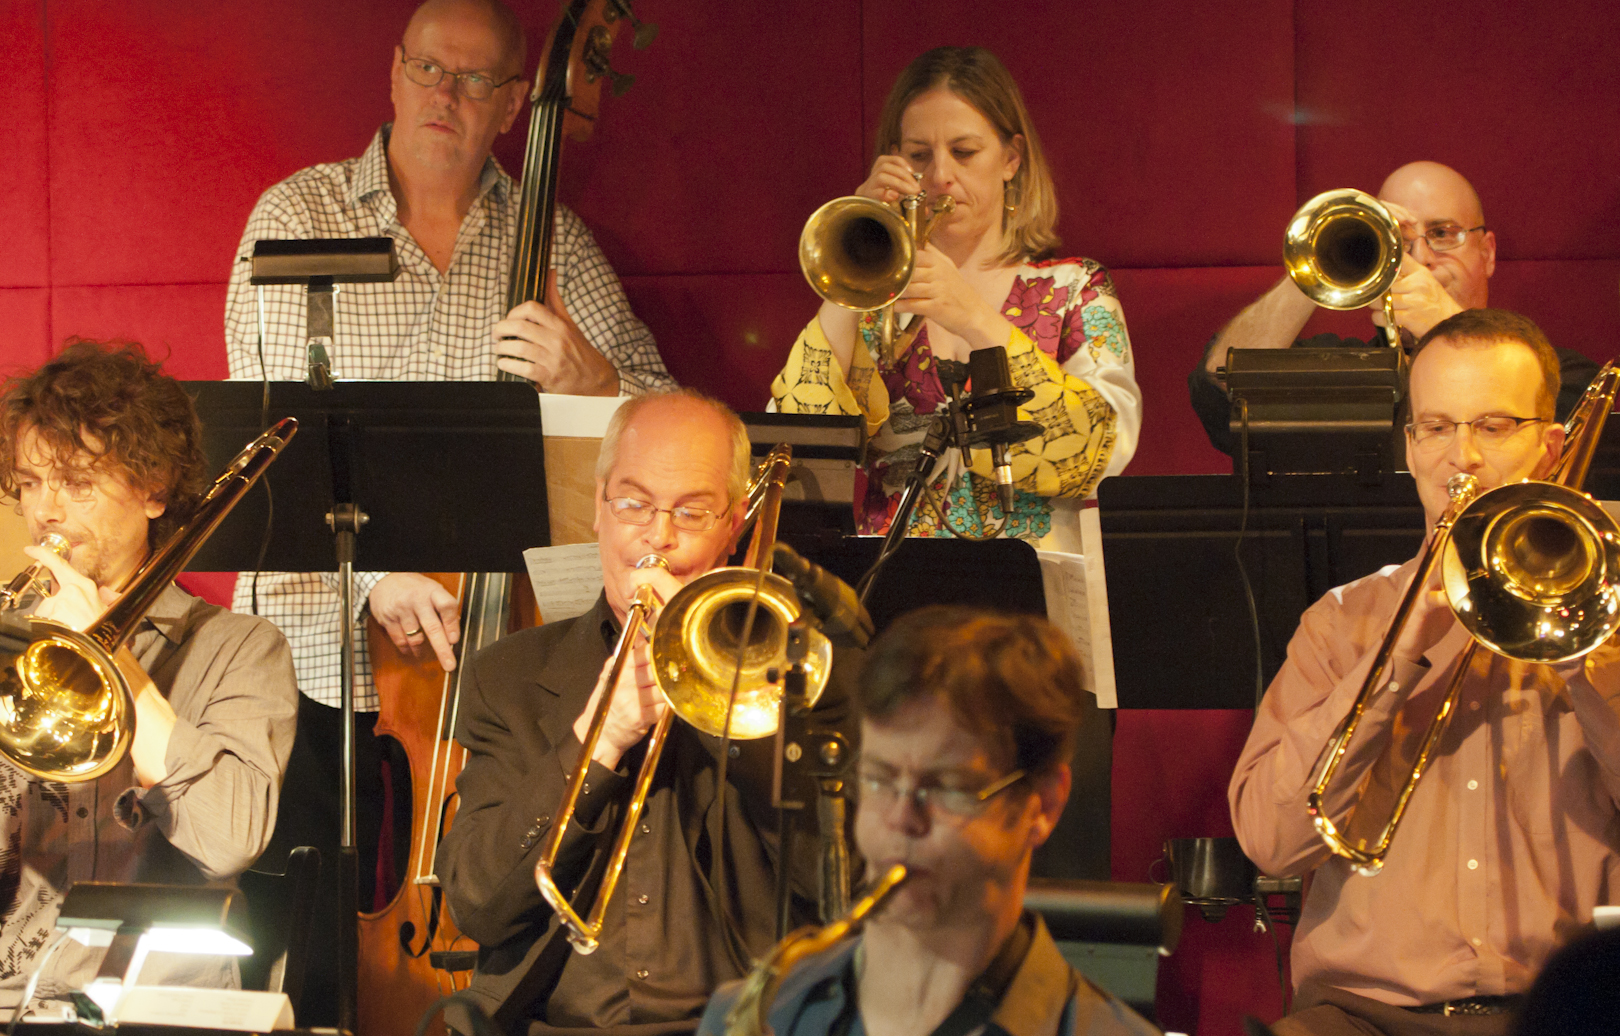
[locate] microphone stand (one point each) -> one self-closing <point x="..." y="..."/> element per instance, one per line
<point x="987" y="417"/>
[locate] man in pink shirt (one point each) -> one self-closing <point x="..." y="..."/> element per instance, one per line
<point x="1511" y="837"/>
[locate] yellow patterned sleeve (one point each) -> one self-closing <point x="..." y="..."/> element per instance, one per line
<point x="1070" y="456"/>
<point x="811" y="382"/>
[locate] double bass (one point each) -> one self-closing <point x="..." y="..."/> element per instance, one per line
<point x="411" y="953"/>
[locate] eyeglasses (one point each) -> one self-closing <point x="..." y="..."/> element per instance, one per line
<point x="477" y="86"/>
<point x="78" y="488"/>
<point x="639" y="512"/>
<point x="1441" y="237"/>
<point x="1489" y="432"/>
<point x="882" y="792"/>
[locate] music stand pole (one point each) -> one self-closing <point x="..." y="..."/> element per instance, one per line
<point x="346" y="519"/>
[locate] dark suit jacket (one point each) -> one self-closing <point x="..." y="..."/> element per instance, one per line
<point x="520" y="698"/>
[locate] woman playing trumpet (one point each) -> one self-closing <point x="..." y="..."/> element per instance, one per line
<point x="955" y="124"/>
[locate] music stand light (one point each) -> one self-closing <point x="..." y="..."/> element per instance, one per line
<point x="133" y="920"/>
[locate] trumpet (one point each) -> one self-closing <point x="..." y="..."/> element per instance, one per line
<point x="716" y="658"/>
<point x="1531" y="570"/>
<point x="36" y="577"/>
<point x="1343" y="249"/>
<point x="750" y="1015"/>
<point x="859" y="254"/>
<point x="66" y="708"/>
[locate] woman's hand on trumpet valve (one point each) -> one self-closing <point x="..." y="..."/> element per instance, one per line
<point x="78" y="602"/>
<point x="891" y="179"/>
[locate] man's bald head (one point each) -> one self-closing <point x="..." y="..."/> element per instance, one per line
<point x="1426" y="195"/>
<point x="1437" y="183"/>
<point x="494" y="14"/>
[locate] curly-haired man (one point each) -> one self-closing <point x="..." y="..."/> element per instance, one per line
<point x="102" y="448"/>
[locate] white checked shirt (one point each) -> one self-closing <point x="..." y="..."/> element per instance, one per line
<point x="424" y="326"/>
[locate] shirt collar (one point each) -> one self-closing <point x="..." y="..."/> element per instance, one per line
<point x="371" y="175"/>
<point x="170" y="615"/>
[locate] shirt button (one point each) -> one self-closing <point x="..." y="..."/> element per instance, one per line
<point x="1473" y="785"/>
<point x="1473" y="706"/>
<point x="642" y="899"/>
<point x="1477" y="941"/>
<point x="641" y="973"/>
<point x="1473" y="865"/>
<point x="83" y="812"/>
<point x="646" y="830"/>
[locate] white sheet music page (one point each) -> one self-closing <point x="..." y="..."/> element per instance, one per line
<point x="566" y="580"/>
<point x="1077" y="603"/>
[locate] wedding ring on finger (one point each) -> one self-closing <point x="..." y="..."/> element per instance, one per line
<point x="411" y="633"/>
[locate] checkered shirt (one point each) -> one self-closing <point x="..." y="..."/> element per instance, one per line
<point x="424" y="326"/>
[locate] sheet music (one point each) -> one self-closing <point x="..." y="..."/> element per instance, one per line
<point x="1077" y="603"/>
<point x="566" y="580"/>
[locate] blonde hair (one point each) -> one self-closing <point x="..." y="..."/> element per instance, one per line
<point x="741" y="450"/>
<point x="977" y="77"/>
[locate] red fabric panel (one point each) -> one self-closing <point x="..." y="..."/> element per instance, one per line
<point x="24" y="329"/>
<point x="1171" y="315"/>
<point x="169" y="120"/>
<point x="1166" y="124"/>
<point x="744" y="118"/>
<point x="181" y="323"/>
<point x="24" y="206"/>
<point x="214" y="587"/>
<point x="1524" y="110"/>
<point x="1169" y="781"/>
<point x="726" y="335"/>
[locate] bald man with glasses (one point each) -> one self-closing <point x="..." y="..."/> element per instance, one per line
<point x="1450" y="257"/>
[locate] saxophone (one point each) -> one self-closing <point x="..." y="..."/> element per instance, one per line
<point x="749" y="1015"/>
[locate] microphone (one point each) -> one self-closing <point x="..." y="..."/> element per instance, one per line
<point x="835" y="604"/>
<point x="993" y="415"/>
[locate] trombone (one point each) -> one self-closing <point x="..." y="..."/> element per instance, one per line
<point x="717" y="647"/>
<point x="859" y="254"/>
<point x="36" y="577"/>
<point x="1531" y="570"/>
<point x="1343" y="249"/>
<point x="67" y="712"/>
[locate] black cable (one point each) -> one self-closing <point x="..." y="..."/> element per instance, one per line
<point x="1237" y="554"/>
<point x="740" y="956"/>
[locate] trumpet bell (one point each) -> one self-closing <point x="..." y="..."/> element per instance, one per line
<point x="1343" y="249"/>
<point x="64" y="707"/>
<point x="857" y="253"/>
<point x="695" y="644"/>
<point x="1531" y="572"/>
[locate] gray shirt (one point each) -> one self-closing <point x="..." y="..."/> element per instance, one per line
<point x="229" y="679"/>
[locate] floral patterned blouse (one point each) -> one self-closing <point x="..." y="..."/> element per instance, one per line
<point x="1069" y="346"/>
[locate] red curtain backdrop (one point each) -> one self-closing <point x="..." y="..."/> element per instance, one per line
<point x="1182" y="138"/>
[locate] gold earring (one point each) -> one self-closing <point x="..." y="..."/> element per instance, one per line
<point x="1009" y="197"/>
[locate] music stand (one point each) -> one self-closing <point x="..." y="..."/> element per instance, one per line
<point x="443" y="477"/>
<point x="1183" y="637"/>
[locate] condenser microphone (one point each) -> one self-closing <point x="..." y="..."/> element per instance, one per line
<point x="992" y="408"/>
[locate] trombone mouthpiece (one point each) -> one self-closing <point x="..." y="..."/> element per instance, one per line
<point x="56" y="543"/>
<point x="1461" y="485"/>
<point x="654" y="561"/>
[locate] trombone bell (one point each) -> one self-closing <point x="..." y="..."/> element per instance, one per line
<point x="1539" y="582"/>
<point x="694" y="651"/>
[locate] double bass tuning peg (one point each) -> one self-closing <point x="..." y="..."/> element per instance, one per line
<point x="646" y="32"/>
